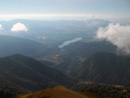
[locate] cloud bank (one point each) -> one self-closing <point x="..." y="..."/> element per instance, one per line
<point x="72" y="16"/>
<point x="19" y="27"/>
<point x="117" y="34"/>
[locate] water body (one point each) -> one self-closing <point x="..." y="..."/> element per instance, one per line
<point x="69" y="42"/>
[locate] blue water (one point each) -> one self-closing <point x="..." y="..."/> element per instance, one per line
<point x="69" y="42"/>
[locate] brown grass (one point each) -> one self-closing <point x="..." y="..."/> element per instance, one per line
<point x="58" y="92"/>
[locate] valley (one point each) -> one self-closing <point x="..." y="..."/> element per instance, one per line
<point x="58" y="61"/>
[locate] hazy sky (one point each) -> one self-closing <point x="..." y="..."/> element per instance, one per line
<point x="64" y="9"/>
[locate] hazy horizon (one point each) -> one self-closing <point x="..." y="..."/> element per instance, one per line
<point x="112" y="10"/>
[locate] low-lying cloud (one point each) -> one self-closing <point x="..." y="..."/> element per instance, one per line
<point x="19" y="27"/>
<point x="117" y="34"/>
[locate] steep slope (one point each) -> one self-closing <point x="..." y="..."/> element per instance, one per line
<point x="106" y="68"/>
<point x="28" y="74"/>
<point x="59" y="92"/>
<point x="11" y="45"/>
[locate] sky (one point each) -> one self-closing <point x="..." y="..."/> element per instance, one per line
<point x="65" y="9"/>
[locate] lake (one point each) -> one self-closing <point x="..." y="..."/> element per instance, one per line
<point x="69" y="42"/>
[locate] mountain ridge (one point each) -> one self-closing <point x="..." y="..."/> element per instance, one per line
<point x="59" y="92"/>
<point x="14" y="45"/>
<point x="29" y="74"/>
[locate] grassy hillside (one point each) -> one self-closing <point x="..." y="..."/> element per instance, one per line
<point x="59" y="92"/>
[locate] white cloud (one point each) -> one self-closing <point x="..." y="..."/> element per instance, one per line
<point x="0" y="26"/>
<point x="19" y="27"/>
<point x="117" y="34"/>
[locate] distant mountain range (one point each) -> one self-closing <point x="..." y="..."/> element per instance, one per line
<point x="11" y="45"/>
<point x="54" y="32"/>
<point x="28" y="74"/>
<point x="86" y="49"/>
<point x="105" y="68"/>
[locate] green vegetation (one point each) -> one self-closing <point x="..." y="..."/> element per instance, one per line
<point x="106" y="91"/>
<point x="72" y="56"/>
<point x="7" y="93"/>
